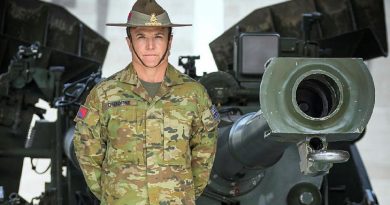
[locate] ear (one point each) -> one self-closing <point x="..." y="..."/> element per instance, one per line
<point x="170" y="42"/>
<point x="129" y="44"/>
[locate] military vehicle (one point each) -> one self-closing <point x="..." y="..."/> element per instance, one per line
<point x="292" y="90"/>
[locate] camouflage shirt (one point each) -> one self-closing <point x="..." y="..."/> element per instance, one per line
<point x="134" y="149"/>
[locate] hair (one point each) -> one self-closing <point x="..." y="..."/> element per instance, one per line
<point x="129" y="34"/>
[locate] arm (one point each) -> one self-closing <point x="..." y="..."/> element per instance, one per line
<point x="203" y="145"/>
<point x="89" y="144"/>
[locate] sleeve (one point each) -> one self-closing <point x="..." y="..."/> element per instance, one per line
<point x="89" y="145"/>
<point x="203" y="143"/>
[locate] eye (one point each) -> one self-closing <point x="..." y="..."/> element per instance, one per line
<point x="159" y="36"/>
<point x="140" y="36"/>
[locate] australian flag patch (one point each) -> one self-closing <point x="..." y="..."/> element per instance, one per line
<point x="214" y="112"/>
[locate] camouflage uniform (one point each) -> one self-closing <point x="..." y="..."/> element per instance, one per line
<point x="135" y="149"/>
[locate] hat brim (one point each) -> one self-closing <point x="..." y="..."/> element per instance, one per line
<point x="133" y="25"/>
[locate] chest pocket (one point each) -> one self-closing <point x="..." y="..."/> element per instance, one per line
<point x="126" y="139"/>
<point x="177" y="133"/>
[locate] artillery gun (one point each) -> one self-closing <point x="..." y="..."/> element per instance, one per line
<point x="294" y="95"/>
<point x="45" y="53"/>
<point x="282" y="153"/>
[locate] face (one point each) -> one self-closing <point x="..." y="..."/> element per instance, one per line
<point x="150" y="43"/>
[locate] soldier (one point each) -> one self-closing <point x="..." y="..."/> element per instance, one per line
<point x="147" y="134"/>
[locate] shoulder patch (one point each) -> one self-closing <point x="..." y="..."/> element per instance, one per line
<point x="83" y="112"/>
<point x="215" y="113"/>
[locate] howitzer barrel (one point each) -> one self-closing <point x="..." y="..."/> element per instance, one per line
<point x="304" y="102"/>
<point x="248" y="148"/>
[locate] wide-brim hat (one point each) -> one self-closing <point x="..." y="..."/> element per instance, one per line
<point x="146" y="13"/>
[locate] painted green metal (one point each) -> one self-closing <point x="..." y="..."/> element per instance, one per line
<point x="349" y="28"/>
<point x="348" y="104"/>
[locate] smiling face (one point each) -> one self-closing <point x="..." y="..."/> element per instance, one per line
<point x="150" y="44"/>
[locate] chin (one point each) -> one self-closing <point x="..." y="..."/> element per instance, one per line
<point x="151" y="64"/>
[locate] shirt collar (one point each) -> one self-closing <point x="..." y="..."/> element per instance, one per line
<point x="172" y="76"/>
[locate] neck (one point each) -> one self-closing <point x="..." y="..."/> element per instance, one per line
<point x="152" y="75"/>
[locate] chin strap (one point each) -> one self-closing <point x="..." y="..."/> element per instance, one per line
<point x="162" y="58"/>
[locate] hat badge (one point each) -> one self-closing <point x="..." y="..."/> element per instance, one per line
<point x="153" y="21"/>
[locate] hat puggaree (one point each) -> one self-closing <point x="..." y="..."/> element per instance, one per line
<point x="147" y="13"/>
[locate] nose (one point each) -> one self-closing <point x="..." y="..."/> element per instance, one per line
<point x="150" y="44"/>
